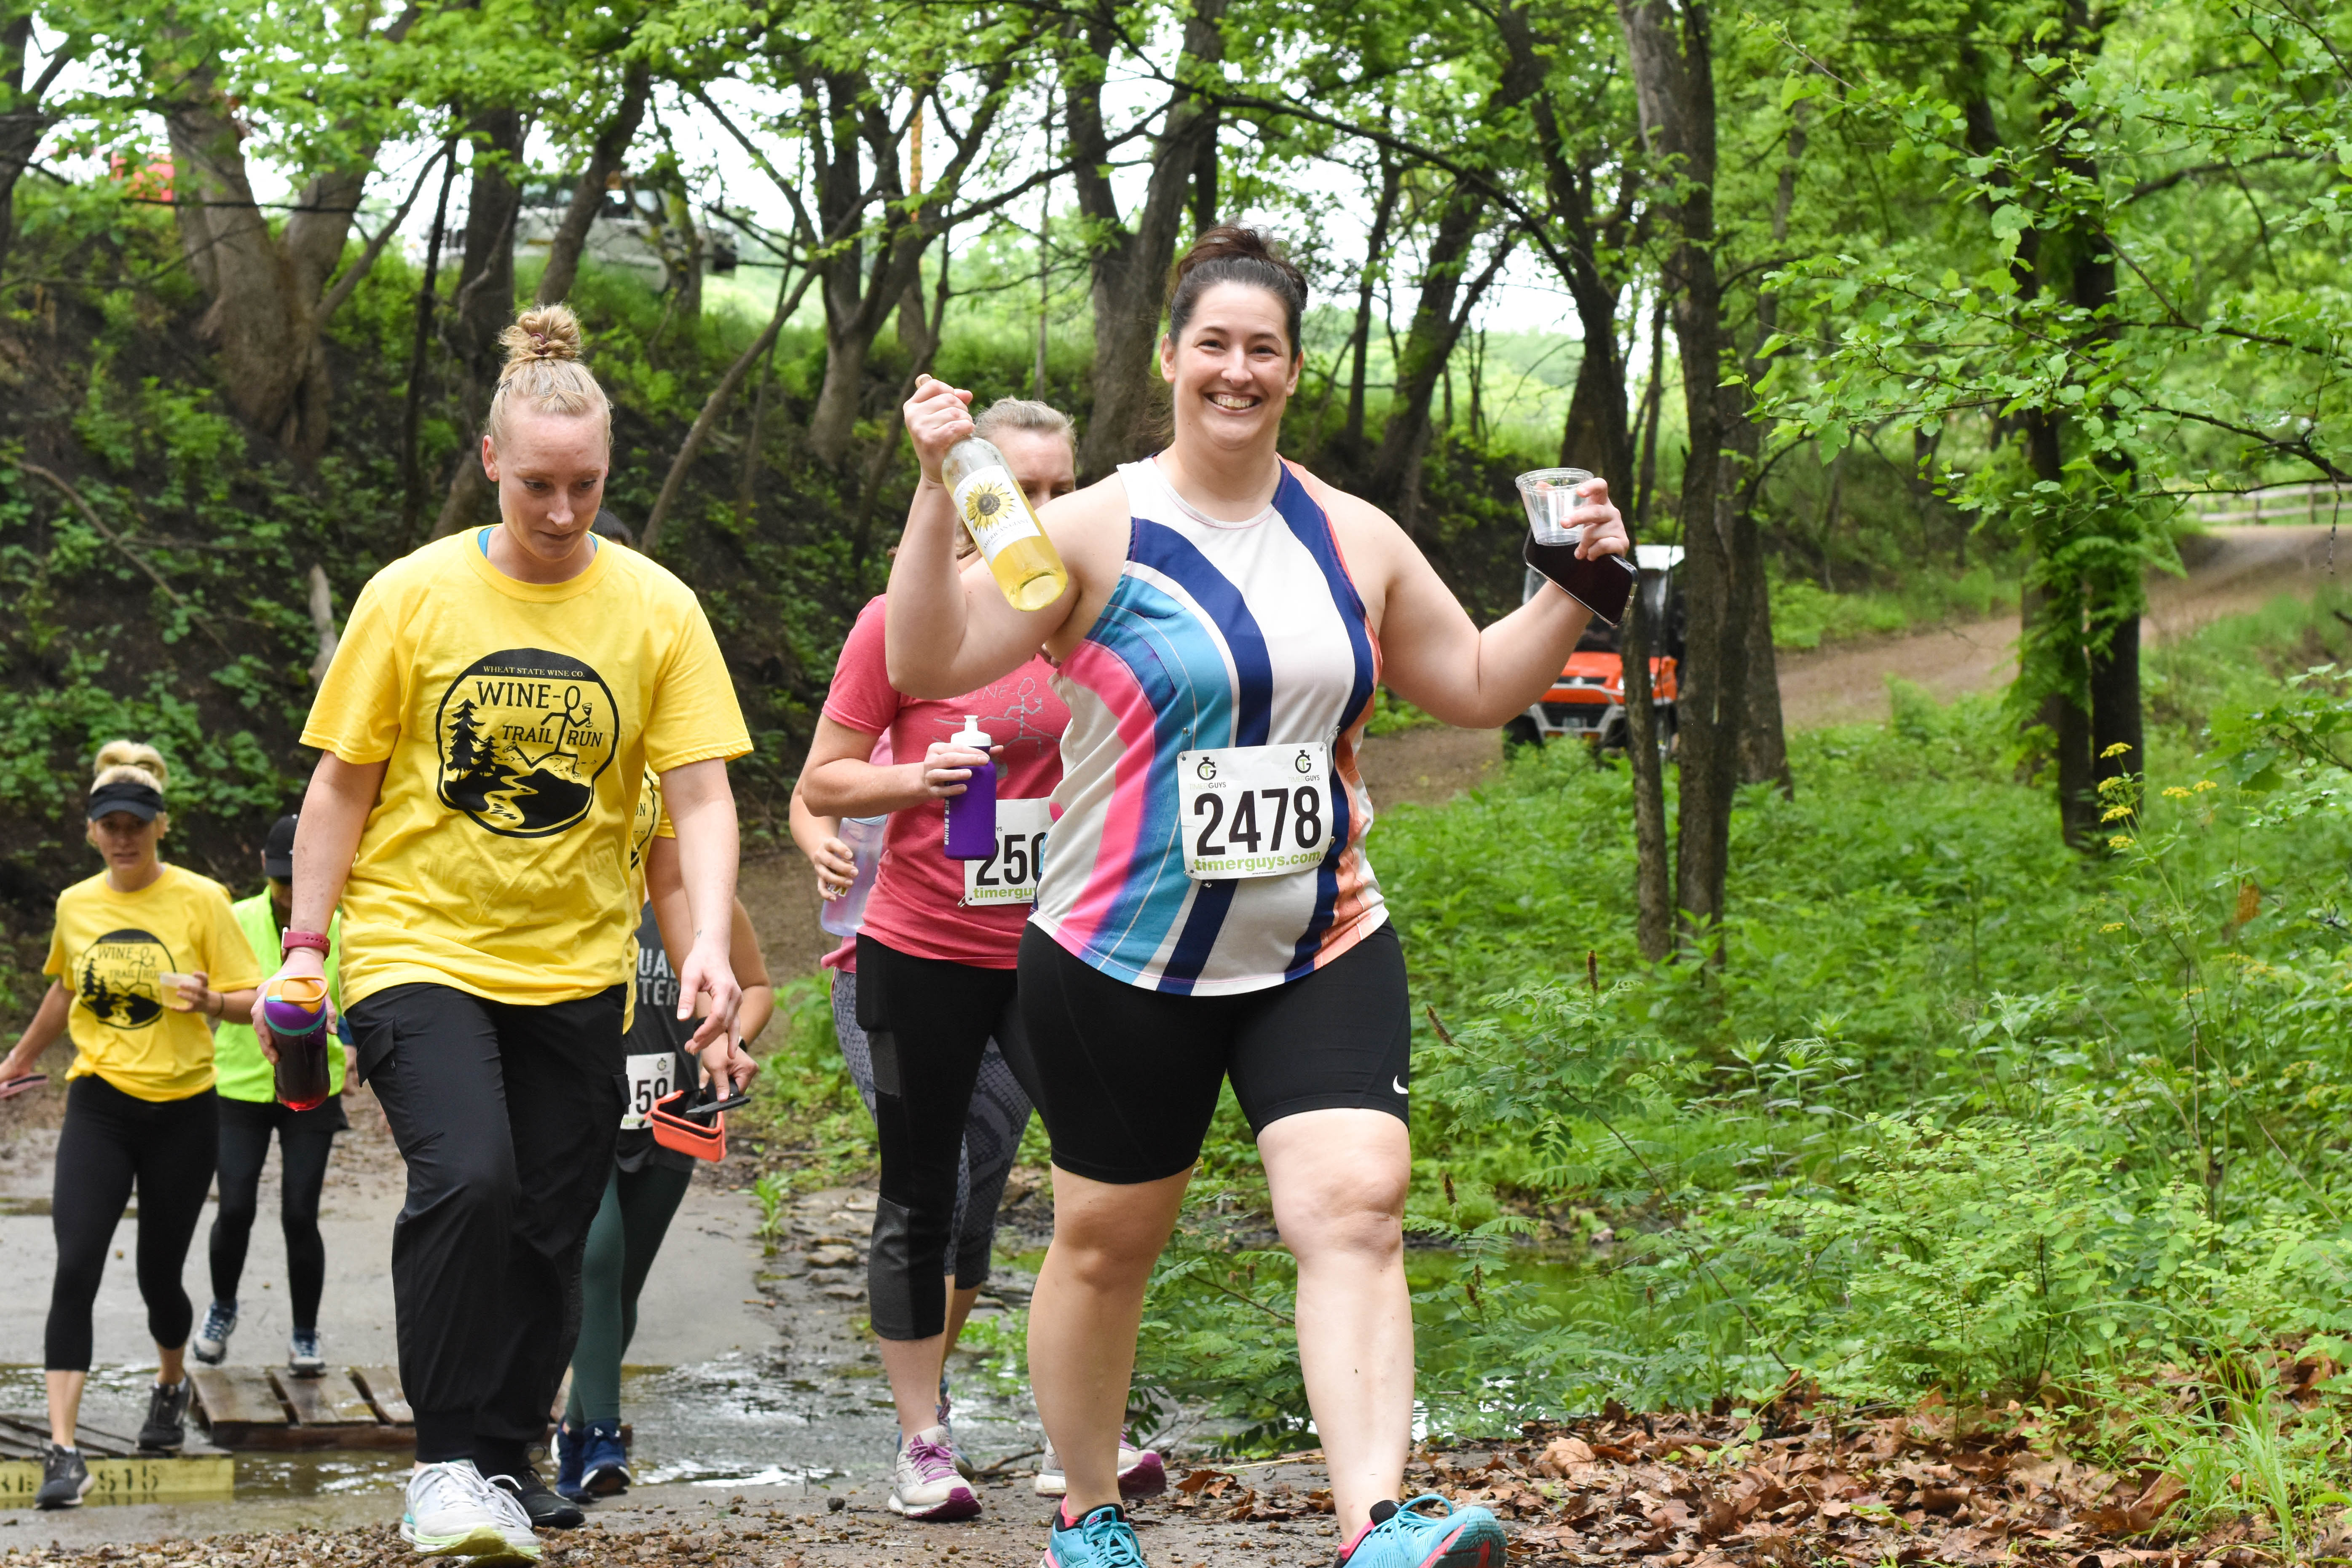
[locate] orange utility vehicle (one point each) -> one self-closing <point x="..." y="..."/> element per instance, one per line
<point x="1588" y="700"/>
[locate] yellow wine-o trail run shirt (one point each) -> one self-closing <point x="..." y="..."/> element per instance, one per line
<point x="111" y="951"/>
<point x="517" y="721"/>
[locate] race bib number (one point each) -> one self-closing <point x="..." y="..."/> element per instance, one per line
<point x="1254" y="811"/>
<point x="650" y="1079"/>
<point x="1010" y="876"/>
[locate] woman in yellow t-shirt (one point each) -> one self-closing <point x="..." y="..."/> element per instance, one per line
<point x="484" y="730"/>
<point x="133" y="960"/>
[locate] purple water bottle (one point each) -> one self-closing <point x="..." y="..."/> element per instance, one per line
<point x="971" y="816"/>
<point x="296" y="1006"/>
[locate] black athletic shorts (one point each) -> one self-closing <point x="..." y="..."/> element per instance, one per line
<point x="1127" y="1078"/>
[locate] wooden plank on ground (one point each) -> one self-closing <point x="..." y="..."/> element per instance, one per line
<point x="381" y="1387"/>
<point x="330" y="1399"/>
<point x="129" y="1481"/>
<point x="237" y="1403"/>
<point x="35" y="1430"/>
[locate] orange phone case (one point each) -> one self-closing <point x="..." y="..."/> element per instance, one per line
<point x="672" y="1130"/>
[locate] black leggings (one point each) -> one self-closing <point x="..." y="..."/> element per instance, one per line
<point x="928" y="1022"/>
<point x="305" y="1138"/>
<point x="112" y="1142"/>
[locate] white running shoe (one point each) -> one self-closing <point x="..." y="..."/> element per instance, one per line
<point x="1141" y="1472"/>
<point x="923" y="1480"/>
<point x="453" y="1512"/>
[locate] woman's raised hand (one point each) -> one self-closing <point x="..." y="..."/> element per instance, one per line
<point x="938" y="416"/>
<point x="1604" y="527"/>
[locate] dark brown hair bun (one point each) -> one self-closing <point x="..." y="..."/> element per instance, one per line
<point x="1231" y="253"/>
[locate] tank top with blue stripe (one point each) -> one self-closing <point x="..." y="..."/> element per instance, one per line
<point x="1217" y="635"/>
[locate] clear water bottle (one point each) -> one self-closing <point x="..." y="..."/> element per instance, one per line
<point x="844" y="915"/>
<point x="1027" y="569"/>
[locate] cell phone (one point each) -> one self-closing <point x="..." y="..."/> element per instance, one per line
<point x="1602" y="584"/>
<point x="705" y="1112"/>
<point x="12" y="1087"/>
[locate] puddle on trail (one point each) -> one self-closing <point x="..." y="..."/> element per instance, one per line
<point x="738" y="1420"/>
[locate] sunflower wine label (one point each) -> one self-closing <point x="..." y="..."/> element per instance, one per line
<point x="994" y="509"/>
<point x="997" y="517"/>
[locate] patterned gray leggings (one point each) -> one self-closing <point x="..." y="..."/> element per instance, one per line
<point x="992" y="1133"/>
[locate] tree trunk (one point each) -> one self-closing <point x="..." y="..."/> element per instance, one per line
<point x="838" y="140"/>
<point x="484" y="303"/>
<point x="1129" y="265"/>
<point x="269" y="292"/>
<point x="606" y="158"/>
<point x="712" y="407"/>
<point x="256" y="320"/>
<point x="22" y="120"/>
<point x="412" y="471"/>
<point x="1438" y="317"/>
<point x="1673" y="68"/>
<point x="1359" y="341"/>
<point x="858" y="298"/>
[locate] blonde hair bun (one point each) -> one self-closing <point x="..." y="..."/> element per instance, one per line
<point x="543" y="373"/>
<point x="543" y="332"/>
<point x="135" y="760"/>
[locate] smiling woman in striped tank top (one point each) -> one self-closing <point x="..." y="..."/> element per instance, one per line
<point x="1207" y="911"/>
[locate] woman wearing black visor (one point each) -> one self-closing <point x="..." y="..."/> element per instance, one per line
<point x="144" y="959"/>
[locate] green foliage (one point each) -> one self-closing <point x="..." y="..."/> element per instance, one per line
<point x="1960" y="1112"/>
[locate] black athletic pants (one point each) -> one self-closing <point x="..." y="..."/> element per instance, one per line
<point x="112" y="1141"/>
<point x="305" y="1139"/>
<point x="926" y="1023"/>
<point x="506" y="1116"/>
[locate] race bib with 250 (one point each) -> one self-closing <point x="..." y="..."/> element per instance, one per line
<point x="1010" y="875"/>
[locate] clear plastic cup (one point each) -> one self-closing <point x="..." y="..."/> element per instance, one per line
<point x="1550" y="495"/>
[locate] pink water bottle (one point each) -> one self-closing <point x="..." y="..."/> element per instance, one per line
<point x="296" y="1008"/>
<point x="971" y="816"/>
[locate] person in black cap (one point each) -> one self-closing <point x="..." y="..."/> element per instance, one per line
<point x="249" y="1113"/>
<point x="143" y="959"/>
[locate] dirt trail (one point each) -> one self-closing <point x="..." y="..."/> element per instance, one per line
<point x="2231" y="571"/>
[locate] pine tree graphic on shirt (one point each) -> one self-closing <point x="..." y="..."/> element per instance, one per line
<point x="118" y="978"/>
<point x="523" y="735"/>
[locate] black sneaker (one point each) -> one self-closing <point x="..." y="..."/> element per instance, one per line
<point x="547" y="1511"/>
<point x="167" y="1412"/>
<point x="64" y="1478"/>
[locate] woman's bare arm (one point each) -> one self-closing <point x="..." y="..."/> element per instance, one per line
<point x="326" y="841"/>
<point x="48" y="1023"/>
<point x="949" y="630"/>
<point x="1432" y="656"/>
<point x="701" y="807"/>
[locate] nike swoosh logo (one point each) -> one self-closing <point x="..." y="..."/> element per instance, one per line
<point x="1398" y="1084"/>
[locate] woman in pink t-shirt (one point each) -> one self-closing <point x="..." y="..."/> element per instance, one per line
<point x="930" y="992"/>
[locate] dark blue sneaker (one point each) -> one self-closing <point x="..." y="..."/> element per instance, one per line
<point x="571" y="1452"/>
<point x="1103" y="1539"/>
<point x="1401" y="1537"/>
<point x="604" y="1463"/>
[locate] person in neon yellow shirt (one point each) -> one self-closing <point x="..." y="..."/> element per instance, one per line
<point x="249" y="1113"/>
<point x="133" y="962"/>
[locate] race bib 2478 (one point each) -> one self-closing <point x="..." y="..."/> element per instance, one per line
<point x="1254" y="811"/>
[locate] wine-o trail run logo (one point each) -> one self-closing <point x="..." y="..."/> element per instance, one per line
<point x="523" y="735"/>
<point x="119" y="978"/>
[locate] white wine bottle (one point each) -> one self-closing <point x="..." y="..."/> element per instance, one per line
<point x="1028" y="572"/>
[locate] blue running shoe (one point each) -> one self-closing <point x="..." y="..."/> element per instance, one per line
<point x="571" y="1469"/>
<point x="604" y="1463"/>
<point x="1103" y="1539"/>
<point x="1401" y="1537"/>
